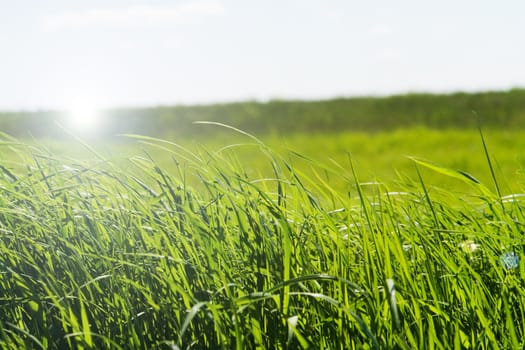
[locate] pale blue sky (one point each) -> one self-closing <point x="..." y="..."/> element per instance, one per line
<point x="140" y="53"/>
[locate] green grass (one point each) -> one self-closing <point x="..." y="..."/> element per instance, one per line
<point x="379" y="156"/>
<point x="170" y="248"/>
<point x="376" y="156"/>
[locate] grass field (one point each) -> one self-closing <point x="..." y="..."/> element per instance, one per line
<point x="380" y="156"/>
<point x="150" y="245"/>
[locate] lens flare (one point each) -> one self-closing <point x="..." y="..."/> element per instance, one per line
<point x="84" y="117"/>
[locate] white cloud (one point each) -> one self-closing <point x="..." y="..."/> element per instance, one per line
<point x="134" y="15"/>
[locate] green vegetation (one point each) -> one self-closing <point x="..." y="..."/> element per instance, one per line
<point x="336" y="232"/>
<point x="124" y="253"/>
<point x="504" y="110"/>
<point x="377" y="156"/>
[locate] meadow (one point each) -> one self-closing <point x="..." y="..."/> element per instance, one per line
<point x="407" y="238"/>
<point x="385" y="156"/>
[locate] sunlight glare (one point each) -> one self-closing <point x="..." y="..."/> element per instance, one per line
<point x="84" y="117"/>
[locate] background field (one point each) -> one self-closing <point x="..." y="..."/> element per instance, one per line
<point x="502" y="110"/>
<point x="377" y="133"/>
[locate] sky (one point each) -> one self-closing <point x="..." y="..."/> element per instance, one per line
<point x="116" y="53"/>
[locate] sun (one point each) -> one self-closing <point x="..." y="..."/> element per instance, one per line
<point x="84" y="117"/>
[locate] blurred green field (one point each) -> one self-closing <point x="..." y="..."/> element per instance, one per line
<point x="496" y="110"/>
<point x="376" y="133"/>
<point x="383" y="156"/>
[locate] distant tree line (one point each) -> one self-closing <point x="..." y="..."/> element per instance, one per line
<point x="370" y="114"/>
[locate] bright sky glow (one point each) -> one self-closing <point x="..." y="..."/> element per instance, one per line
<point x="141" y="53"/>
<point x="83" y="118"/>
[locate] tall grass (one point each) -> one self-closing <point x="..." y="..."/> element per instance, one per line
<point x="121" y="253"/>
